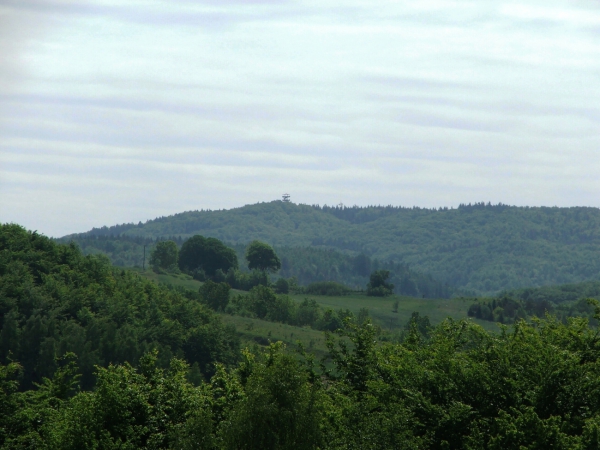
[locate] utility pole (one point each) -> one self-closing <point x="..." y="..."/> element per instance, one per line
<point x="144" y="263"/>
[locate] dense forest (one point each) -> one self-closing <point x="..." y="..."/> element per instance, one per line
<point x="557" y="294"/>
<point x="95" y="357"/>
<point x="479" y="248"/>
<point x="562" y="301"/>
<point x="54" y="300"/>
<point x="305" y="264"/>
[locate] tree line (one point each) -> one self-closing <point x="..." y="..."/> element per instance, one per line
<point x="535" y="387"/>
<point x="306" y="265"/>
<point x="562" y="302"/>
<point x="54" y="300"/>
<point x="93" y="357"/>
<point x="480" y="248"/>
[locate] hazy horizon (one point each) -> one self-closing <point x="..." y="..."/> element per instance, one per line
<point x="135" y="222"/>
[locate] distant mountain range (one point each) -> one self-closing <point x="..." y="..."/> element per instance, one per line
<point x="481" y="248"/>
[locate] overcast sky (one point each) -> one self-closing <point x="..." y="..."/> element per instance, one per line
<point x="117" y="111"/>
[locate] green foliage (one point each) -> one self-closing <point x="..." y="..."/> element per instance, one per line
<point x="506" y="309"/>
<point x="122" y="250"/>
<point x="149" y="408"/>
<point x="378" y="285"/>
<point x="308" y="313"/>
<point x="164" y="255"/>
<point x="557" y="294"/>
<point x="245" y="281"/>
<point x="206" y="255"/>
<point x="281" y="408"/>
<point x="9" y="403"/>
<point x="464" y="388"/>
<point x="480" y="248"/>
<point x="421" y="323"/>
<point x="535" y="386"/>
<point x="216" y="295"/>
<point x="262" y="303"/>
<point x="282" y="286"/>
<point x="261" y="256"/>
<point x="330" y="288"/>
<point x="54" y="300"/>
<point x="305" y="264"/>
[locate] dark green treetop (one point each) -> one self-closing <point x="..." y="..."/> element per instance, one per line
<point x="261" y="256"/>
<point x="164" y="255"/>
<point x="207" y="254"/>
<point x="378" y="285"/>
<point x="216" y="295"/>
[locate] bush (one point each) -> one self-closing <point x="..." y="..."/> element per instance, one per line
<point x="378" y="287"/>
<point x="216" y="295"/>
<point x="164" y="256"/>
<point x="282" y="286"/>
<point x="245" y="281"/>
<point x="330" y="288"/>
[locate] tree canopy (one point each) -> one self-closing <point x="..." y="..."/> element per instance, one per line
<point x="262" y="257"/>
<point x="206" y="254"/>
<point x="94" y="357"/>
<point x="55" y="300"/>
<point x="378" y="285"/>
<point x="481" y="248"/>
<point x="452" y="386"/>
<point x="164" y="255"/>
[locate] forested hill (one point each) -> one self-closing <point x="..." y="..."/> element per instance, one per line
<point x="482" y="247"/>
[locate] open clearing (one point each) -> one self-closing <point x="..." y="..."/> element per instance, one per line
<point x="260" y="332"/>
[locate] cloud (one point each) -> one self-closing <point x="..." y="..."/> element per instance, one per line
<point x="206" y="14"/>
<point x="124" y="111"/>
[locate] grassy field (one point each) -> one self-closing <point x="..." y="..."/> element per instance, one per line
<point x="182" y="280"/>
<point x="380" y="310"/>
<point x="260" y="332"/>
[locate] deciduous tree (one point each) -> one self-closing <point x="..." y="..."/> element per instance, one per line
<point x="378" y="285"/>
<point x="262" y="257"/>
<point x="164" y="255"/>
<point x="206" y="254"/>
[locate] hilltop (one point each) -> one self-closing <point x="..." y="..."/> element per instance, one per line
<point x="483" y="248"/>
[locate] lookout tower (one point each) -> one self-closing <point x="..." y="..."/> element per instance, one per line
<point x="286" y="198"/>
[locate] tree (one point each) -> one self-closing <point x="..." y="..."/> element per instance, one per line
<point x="216" y="295"/>
<point x="282" y="286"/>
<point x="206" y="254"/>
<point x="378" y="287"/>
<point x="262" y="257"/>
<point x="282" y="409"/>
<point x="362" y="265"/>
<point x="164" y="255"/>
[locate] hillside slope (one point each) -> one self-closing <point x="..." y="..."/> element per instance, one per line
<point x="482" y="248"/>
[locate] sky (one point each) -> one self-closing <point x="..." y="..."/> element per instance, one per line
<point x="123" y="111"/>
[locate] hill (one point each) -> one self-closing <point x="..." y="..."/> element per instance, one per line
<point x="481" y="248"/>
<point x="54" y="300"/>
<point x="305" y="264"/>
<point x="563" y="293"/>
<point x="93" y="356"/>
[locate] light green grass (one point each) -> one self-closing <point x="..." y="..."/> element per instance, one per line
<point x="380" y="310"/>
<point x="184" y="281"/>
<point x="256" y="331"/>
<point x="177" y="280"/>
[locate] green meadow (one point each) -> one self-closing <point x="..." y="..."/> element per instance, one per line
<point x="255" y="331"/>
<point x="381" y="308"/>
